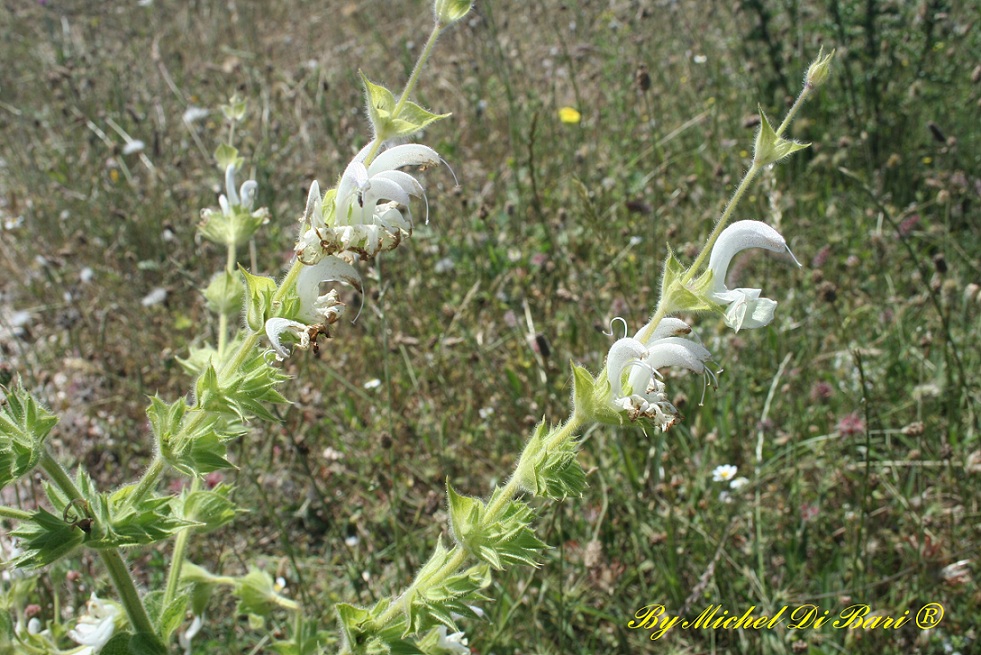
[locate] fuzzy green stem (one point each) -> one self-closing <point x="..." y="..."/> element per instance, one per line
<point x="128" y="594"/>
<point x="458" y="556"/>
<point x="59" y="476"/>
<point x="113" y="560"/>
<point x="177" y="559"/>
<point x="222" y="317"/>
<point x="407" y="91"/>
<point x="804" y="94"/>
<point x="149" y="479"/>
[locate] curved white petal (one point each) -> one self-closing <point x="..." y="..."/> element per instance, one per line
<point x="622" y="353"/>
<point x="738" y="237"/>
<point x="354" y="181"/>
<point x="408" y="183"/>
<point x="230" y="185"/>
<point x="314" y="208"/>
<point x="247" y="193"/>
<point x="383" y="189"/>
<point x="409" y="154"/>
<point x="328" y="269"/>
<point x="275" y="327"/>
<point x="668" y="327"/>
<point x="675" y="351"/>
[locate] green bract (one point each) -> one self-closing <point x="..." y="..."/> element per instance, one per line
<point x="771" y="148"/>
<point x="549" y="469"/>
<point x="448" y="12"/>
<point x="259" y="294"/>
<point x="224" y="294"/>
<point x="389" y="123"/>
<point x="24" y="425"/>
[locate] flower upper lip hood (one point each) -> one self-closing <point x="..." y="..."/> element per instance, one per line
<point x="745" y="308"/>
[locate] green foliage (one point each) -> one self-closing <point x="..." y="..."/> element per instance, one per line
<point x="450" y="11"/>
<point x="259" y="291"/>
<point x="24" y="425"/>
<point x="165" y="620"/>
<point x="505" y="538"/>
<point x="771" y="148"/>
<point x="256" y="594"/>
<point x="387" y="124"/>
<point x="211" y="509"/>
<point x="45" y="539"/>
<point x="227" y="155"/>
<point x="552" y="470"/>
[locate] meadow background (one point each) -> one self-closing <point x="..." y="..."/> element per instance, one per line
<point x="854" y="415"/>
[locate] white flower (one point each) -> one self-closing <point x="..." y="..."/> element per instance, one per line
<point x="365" y="214"/>
<point x="724" y="473"/>
<point x="245" y="197"/>
<point x="643" y="394"/>
<point x="738" y="483"/>
<point x="454" y="643"/>
<point x="318" y="310"/>
<point x="96" y="627"/>
<point x="276" y="327"/>
<point x="745" y="308"/>
<point x="184" y="638"/>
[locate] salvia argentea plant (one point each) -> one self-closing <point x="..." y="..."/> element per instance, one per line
<point x="238" y="378"/>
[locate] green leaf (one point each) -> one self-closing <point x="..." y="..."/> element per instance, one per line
<point x="44" y="539"/>
<point x="771" y="148"/>
<point x="234" y="110"/>
<point x="553" y="471"/>
<point x="465" y="514"/>
<point x="258" y="299"/>
<point x="118" y="645"/>
<point x="226" y="156"/>
<point x="410" y="119"/>
<point x="24" y="426"/>
<point x="256" y="593"/>
<point x="165" y="620"/>
<point x="381" y="102"/>
<point x="210" y="509"/>
<point x="224" y="294"/>
<point x="146" y="644"/>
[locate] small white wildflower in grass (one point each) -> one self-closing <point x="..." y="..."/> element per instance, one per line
<point x="133" y="147"/>
<point x="724" y="473"/>
<point x="280" y="585"/>
<point x="193" y="114"/>
<point x="486" y="412"/>
<point x="155" y="297"/>
<point x="86" y="275"/>
<point x="96" y="627"/>
<point x="372" y="384"/>
<point x="352" y="540"/>
<point x="699" y="59"/>
<point x="738" y="483"/>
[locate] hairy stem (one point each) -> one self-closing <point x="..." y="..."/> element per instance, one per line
<point x="177" y="559"/>
<point x="458" y="556"/>
<point x="113" y="560"/>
